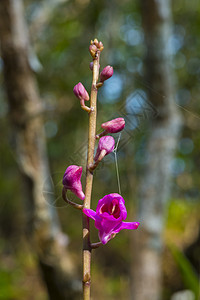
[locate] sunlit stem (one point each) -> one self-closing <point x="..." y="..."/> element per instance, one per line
<point x="89" y="180"/>
<point x="101" y="156"/>
<point x="101" y="134"/>
<point x="84" y="107"/>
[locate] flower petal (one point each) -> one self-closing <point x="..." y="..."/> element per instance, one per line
<point x="107" y="199"/>
<point x="126" y="225"/>
<point x="106" y="228"/>
<point x="90" y="213"/>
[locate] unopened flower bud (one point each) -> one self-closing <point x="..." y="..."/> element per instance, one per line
<point x="106" y="73"/>
<point x="114" y="125"/>
<point x="91" y="66"/>
<point x="105" y="146"/>
<point x="72" y="181"/>
<point x="80" y="92"/>
<point x="96" y="42"/>
<point x="93" y="50"/>
<point x="100" y="46"/>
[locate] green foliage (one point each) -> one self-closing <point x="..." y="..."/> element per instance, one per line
<point x="189" y="276"/>
<point x="8" y="291"/>
<point x="179" y="212"/>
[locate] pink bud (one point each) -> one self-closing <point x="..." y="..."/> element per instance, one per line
<point x="114" y="125"/>
<point x="96" y="42"/>
<point x="80" y="92"/>
<point x="100" y="46"/>
<point x="106" y="145"/>
<point x="93" y="50"/>
<point x="106" y="73"/>
<point x="72" y="180"/>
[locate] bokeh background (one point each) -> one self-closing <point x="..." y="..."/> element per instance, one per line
<point x="60" y="34"/>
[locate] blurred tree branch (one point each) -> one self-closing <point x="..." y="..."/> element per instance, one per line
<point x="161" y="144"/>
<point x="43" y="226"/>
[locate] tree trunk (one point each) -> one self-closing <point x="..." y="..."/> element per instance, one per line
<point x="162" y="140"/>
<point x="25" y="114"/>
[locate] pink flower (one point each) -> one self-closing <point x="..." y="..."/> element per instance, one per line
<point x="109" y="216"/>
<point x="105" y="146"/>
<point x="106" y="73"/>
<point x="80" y="92"/>
<point x="72" y="181"/>
<point x="114" y="125"/>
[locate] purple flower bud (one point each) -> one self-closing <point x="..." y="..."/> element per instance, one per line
<point x="91" y="66"/>
<point x="106" y="145"/>
<point x="114" y="125"/>
<point x="106" y="73"/>
<point x="72" y="180"/>
<point x="109" y="216"/>
<point x="80" y="92"/>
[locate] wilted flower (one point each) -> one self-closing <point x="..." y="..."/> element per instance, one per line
<point x="109" y="216"/>
<point x="80" y="92"/>
<point x="105" y="146"/>
<point x="72" y="181"/>
<point x="114" y="125"/>
<point x="106" y="73"/>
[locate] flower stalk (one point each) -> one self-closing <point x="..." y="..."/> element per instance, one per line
<point x="75" y="205"/>
<point x="89" y="178"/>
<point x="111" y="211"/>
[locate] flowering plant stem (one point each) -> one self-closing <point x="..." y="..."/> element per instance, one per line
<point x="89" y="180"/>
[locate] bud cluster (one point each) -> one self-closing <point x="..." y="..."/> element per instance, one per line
<point x="95" y="46"/>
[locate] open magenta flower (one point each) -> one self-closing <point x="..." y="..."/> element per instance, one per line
<point x="109" y="216"/>
<point x="106" y="73"/>
<point x="114" y="125"/>
<point x="80" y="92"/>
<point x="72" y="181"/>
<point x="105" y="146"/>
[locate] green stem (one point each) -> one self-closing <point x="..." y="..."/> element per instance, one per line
<point x="89" y="180"/>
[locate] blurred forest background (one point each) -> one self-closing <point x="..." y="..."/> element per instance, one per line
<point x="153" y="47"/>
